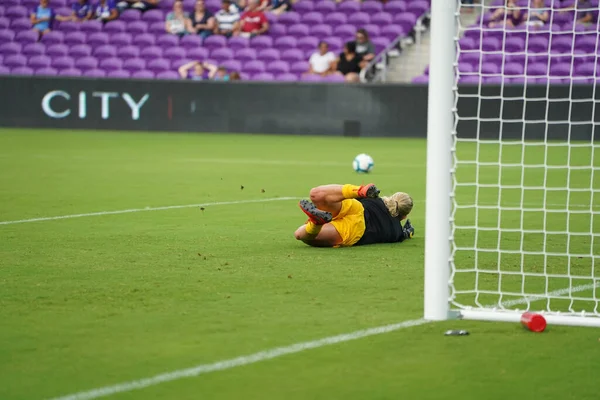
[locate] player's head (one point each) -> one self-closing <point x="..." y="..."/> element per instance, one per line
<point x="399" y="204"/>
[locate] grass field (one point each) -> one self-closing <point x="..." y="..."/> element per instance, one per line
<point x="99" y="300"/>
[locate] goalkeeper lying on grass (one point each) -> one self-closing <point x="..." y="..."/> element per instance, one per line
<point x="349" y="215"/>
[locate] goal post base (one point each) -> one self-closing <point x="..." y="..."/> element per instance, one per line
<point x="510" y="316"/>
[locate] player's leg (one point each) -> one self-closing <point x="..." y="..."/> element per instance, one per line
<point x="329" y="197"/>
<point x="327" y="236"/>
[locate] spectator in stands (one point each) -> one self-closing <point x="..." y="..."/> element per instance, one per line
<point x="199" y="71"/>
<point x="536" y="16"/>
<point x="177" y="20"/>
<point x="253" y="22"/>
<point x="320" y="62"/>
<point x="348" y="63"/>
<point x="105" y="11"/>
<point x="228" y="18"/>
<point x="42" y="18"/>
<point x="585" y="11"/>
<point x="510" y="11"/>
<point x="82" y="11"/>
<point x="201" y="22"/>
<point x="235" y="76"/>
<point x="262" y="4"/>
<point x="364" y="47"/>
<point x="278" y="7"/>
<point x="142" y="5"/>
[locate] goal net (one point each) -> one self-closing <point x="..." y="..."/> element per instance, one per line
<point x="524" y="165"/>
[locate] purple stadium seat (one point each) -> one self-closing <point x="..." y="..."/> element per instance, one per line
<point x="560" y="70"/>
<point x="299" y="67"/>
<point x="46" y="71"/>
<point x="36" y="62"/>
<point x="463" y="68"/>
<point x="289" y="18"/>
<point x="74" y="38"/>
<point x="130" y="15"/>
<point x="335" y="78"/>
<point x="312" y="18"/>
<point x="158" y="65"/>
<point x="151" y="52"/>
<point x="21" y="71"/>
<point x="170" y="75"/>
<point x="68" y="26"/>
<point x="167" y="40"/>
<point x="157" y="28"/>
<point x="134" y="64"/>
<point x="53" y="38"/>
<point x="137" y="27"/>
<point x="174" y="53"/>
<point x="513" y="69"/>
<point x="292" y="55"/>
<point x="562" y="44"/>
<point x="221" y="54"/>
<point x="277" y="30"/>
<point x="144" y="74"/>
<point x="382" y="18"/>
<point x="335" y="19"/>
<point x="417" y="7"/>
<point x="175" y="64"/>
<point x="4" y="70"/>
<point x="121" y="39"/>
<point x="236" y="43"/>
<point x="514" y="45"/>
<point x="537" y="69"/>
<point x="26" y="37"/>
<point x="190" y="41"/>
<point x="286" y="77"/>
<point x="57" y="50"/>
<point x="285" y="42"/>
<point x="381" y="43"/>
<point x="15" y="60"/>
<point x="98" y="39"/>
<point x="86" y="63"/>
<point x="10" y="48"/>
<point x="298" y="30"/>
<point x="268" y="55"/>
<point x="254" y="67"/>
<point x="489" y="69"/>
<point x="304" y="7"/>
<point x="6" y="36"/>
<point x="325" y="7"/>
<point x="587" y="69"/>
<point x="20" y="24"/>
<point x="537" y="45"/>
<point x="15" y="12"/>
<point x="496" y="80"/>
<point x="105" y="51"/>
<point x="308" y="43"/>
<point x="349" y="7"/>
<point x="392" y="31"/>
<point x="371" y="7"/>
<point x="144" y="40"/>
<point x="359" y="18"/>
<point x="263" y="76"/>
<point x="61" y="63"/>
<point x="312" y="78"/>
<point x="153" y="16"/>
<point x="74" y="72"/>
<point x="91" y="26"/>
<point x="118" y="74"/>
<point x="115" y="26"/>
<point x="374" y="30"/>
<point x="4" y="23"/>
<point x="232" y="65"/>
<point x="245" y="54"/>
<point x="94" y="73"/>
<point x="278" y="67"/>
<point x="127" y="52"/>
<point x="261" y="42"/>
<point x="81" y="50"/>
<point x="395" y="6"/>
<point x="346" y="31"/>
<point x="34" y="49"/>
<point x="166" y="5"/>
<point x="335" y="43"/>
<point x="321" y="30"/>
<point x="214" y="42"/>
<point x="2" y="10"/>
<point x="198" y="53"/>
<point x="406" y="21"/>
<point x="111" y="64"/>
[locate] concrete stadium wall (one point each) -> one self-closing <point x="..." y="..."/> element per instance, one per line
<point x="290" y="108"/>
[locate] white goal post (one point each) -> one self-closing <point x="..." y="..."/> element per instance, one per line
<point x="513" y="171"/>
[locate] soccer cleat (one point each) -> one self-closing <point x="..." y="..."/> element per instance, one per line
<point x="408" y="230"/>
<point x="318" y="217"/>
<point x="369" y="190"/>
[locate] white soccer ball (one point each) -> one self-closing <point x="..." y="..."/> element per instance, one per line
<point x="363" y="163"/>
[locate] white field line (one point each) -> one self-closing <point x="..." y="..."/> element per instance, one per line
<point x="555" y="293"/>
<point x="238" y="361"/>
<point x="135" y="210"/>
<point x="274" y="353"/>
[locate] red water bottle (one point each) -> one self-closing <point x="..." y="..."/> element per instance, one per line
<point x="534" y="322"/>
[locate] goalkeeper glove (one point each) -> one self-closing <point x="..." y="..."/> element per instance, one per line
<point x="408" y="230"/>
